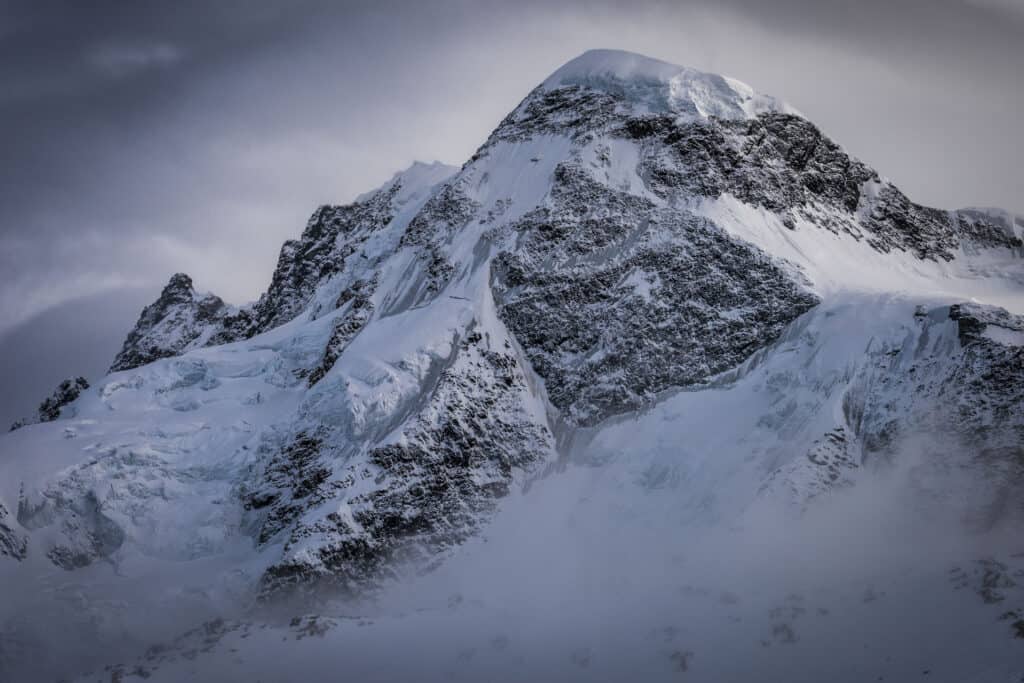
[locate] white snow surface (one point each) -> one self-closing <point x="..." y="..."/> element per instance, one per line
<point x="659" y="86"/>
<point x="415" y="182"/>
<point x="837" y="263"/>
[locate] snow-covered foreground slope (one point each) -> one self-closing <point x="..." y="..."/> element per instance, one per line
<point x="660" y="383"/>
<point x="659" y="546"/>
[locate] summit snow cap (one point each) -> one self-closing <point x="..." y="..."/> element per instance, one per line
<point x="414" y="182"/>
<point x="663" y="87"/>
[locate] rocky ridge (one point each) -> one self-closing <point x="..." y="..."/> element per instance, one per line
<point x="51" y="408"/>
<point x="178" y="320"/>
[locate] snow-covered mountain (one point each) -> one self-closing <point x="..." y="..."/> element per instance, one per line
<point x="661" y="382"/>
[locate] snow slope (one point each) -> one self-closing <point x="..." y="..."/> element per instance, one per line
<point x="660" y="382"/>
<point x="658" y="544"/>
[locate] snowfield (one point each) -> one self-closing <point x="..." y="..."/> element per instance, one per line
<point x="660" y="385"/>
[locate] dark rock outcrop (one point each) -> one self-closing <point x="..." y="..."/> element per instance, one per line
<point x="12" y="544"/>
<point x="50" y="409"/>
<point x="775" y="160"/>
<point x="332" y="235"/>
<point x="413" y="499"/>
<point x="615" y="300"/>
<point x="66" y="392"/>
<point x="346" y="326"/>
<point x="956" y="398"/>
<point x="177" y="320"/>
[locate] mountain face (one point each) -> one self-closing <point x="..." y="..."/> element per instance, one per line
<point x="654" y="304"/>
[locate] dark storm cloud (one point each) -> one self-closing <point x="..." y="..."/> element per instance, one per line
<point x="92" y="115"/>
<point x="144" y="138"/>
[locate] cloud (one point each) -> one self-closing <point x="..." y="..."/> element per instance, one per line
<point x="1010" y="6"/>
<point x="118" y="61"/>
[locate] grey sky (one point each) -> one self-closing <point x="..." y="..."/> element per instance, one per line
<point x="144" y="138"/>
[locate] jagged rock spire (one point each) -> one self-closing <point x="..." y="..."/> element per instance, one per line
<point x="177" y="319"/>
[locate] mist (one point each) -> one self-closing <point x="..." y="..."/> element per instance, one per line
<point x="594" y="573"/>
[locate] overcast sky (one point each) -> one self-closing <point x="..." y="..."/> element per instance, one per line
<point x="139" y="139"/>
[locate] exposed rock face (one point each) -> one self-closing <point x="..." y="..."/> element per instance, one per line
<point x="179" y="319"/>
<point x="414" y="498"/>
<point x="954" y="397"/>
<point x="601" y="277"/>
<point x="775" y="160"/>
<point x="980" y="380"/>
<point x="944" y="393"/>
<point x="333" y="234"/>
<point x="440" y="220"/>
<point x="65" y="393"/>
<point x="978" y="324"/>
<point x="12" y="544"/>
<point x="50" y="409"/>
<point x="783" y="163"/>
<point x="615" y="299"/>
<point x="346" y="326"/>
<point x="339" y="243"/>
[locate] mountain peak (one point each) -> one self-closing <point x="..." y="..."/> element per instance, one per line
<point x="650" y="290"/>
<point x="179" y="280"/>
<point x="664" y="87"/>
<point x="178" y="288"/>
<point x="620" y="64"/>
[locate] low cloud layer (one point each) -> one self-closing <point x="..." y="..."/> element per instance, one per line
<point x="125" y="60"/>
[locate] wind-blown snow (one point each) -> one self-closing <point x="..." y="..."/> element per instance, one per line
<point x="415" y="182"/>
<point x="659" y="86"/>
